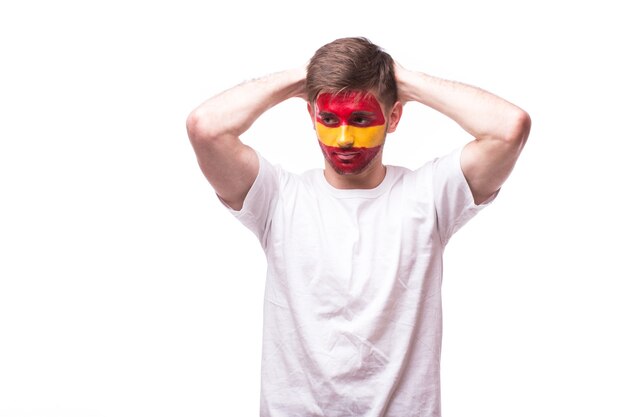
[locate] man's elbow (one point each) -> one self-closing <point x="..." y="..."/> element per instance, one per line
<point x="195" y="129"/>
<point x="519" y="128"/>
<point x="201" y="128"/>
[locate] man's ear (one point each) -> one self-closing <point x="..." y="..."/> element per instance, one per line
<point x="394" y="117"/>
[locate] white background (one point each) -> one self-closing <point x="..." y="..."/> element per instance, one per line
<point x="127" y="290"/>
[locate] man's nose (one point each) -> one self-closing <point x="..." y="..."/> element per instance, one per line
<point x="346" y="137"/>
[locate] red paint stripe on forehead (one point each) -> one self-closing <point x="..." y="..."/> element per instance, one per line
<point x="344" y="105"/>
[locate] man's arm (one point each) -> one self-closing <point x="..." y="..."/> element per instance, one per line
<point x="500" y="128"/>
<point x="215" y="126"/>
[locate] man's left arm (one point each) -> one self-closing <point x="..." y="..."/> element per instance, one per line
<point x="500" y="128"/>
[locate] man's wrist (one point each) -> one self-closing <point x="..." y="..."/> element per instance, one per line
<point x="410" y="84"/>
<point x="298" y="77"/>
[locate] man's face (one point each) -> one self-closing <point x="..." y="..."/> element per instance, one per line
<point x="351" y="129"/>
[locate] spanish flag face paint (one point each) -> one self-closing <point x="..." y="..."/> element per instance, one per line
<point x="351" y="129"/>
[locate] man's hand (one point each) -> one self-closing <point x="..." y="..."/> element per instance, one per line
<point x="401" y="75"/>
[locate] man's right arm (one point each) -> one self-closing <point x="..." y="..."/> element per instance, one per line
<point x="215" y="126"/>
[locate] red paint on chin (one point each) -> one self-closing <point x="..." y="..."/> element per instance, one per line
<point x="349" y="160"/>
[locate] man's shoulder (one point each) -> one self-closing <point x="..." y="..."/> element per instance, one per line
<point x="446" y="162"/>
<point x="398" y="171"/>
<point x="289" y="180"/>
<point x="401" y="173"/>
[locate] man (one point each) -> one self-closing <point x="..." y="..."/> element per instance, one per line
<point x="352" y="315"/>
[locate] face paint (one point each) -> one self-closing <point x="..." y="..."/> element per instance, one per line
<point x="349" y="161"/>
<point x="351" y="130"/>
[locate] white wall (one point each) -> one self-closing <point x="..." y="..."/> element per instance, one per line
<point x="127" y="290"/>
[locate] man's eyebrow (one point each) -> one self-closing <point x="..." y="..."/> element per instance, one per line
<point x="357" y="113"/>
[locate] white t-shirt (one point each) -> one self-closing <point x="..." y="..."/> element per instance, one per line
<point x="352" y="313"/>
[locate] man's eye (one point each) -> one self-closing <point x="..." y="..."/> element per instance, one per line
<point x="329" y="120"/>
<point x="360" y="121"/>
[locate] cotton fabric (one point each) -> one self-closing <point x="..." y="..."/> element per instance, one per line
<point x="352" y="312"/>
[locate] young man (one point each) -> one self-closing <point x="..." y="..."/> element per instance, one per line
<point x="352" y="316"/>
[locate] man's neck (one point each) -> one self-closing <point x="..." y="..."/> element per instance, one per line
<point x="371" y="177"/>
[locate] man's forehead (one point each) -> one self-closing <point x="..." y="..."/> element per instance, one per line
<point x="348" y="100"/>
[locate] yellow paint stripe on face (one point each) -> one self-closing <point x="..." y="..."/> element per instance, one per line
<point x="347" y="136"/>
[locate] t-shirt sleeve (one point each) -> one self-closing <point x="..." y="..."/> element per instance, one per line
<point x="454" y="202"/>
<point x="260" y="202"/>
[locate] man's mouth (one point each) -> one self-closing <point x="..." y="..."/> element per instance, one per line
<point x="346" y="156"/>
<point x="349" y="160"/>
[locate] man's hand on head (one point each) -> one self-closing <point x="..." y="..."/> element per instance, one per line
<point x="401" y="75"/>
<point x="302" y="91"/>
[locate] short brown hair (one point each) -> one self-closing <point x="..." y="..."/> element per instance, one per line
<point x="352" y="64"/>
